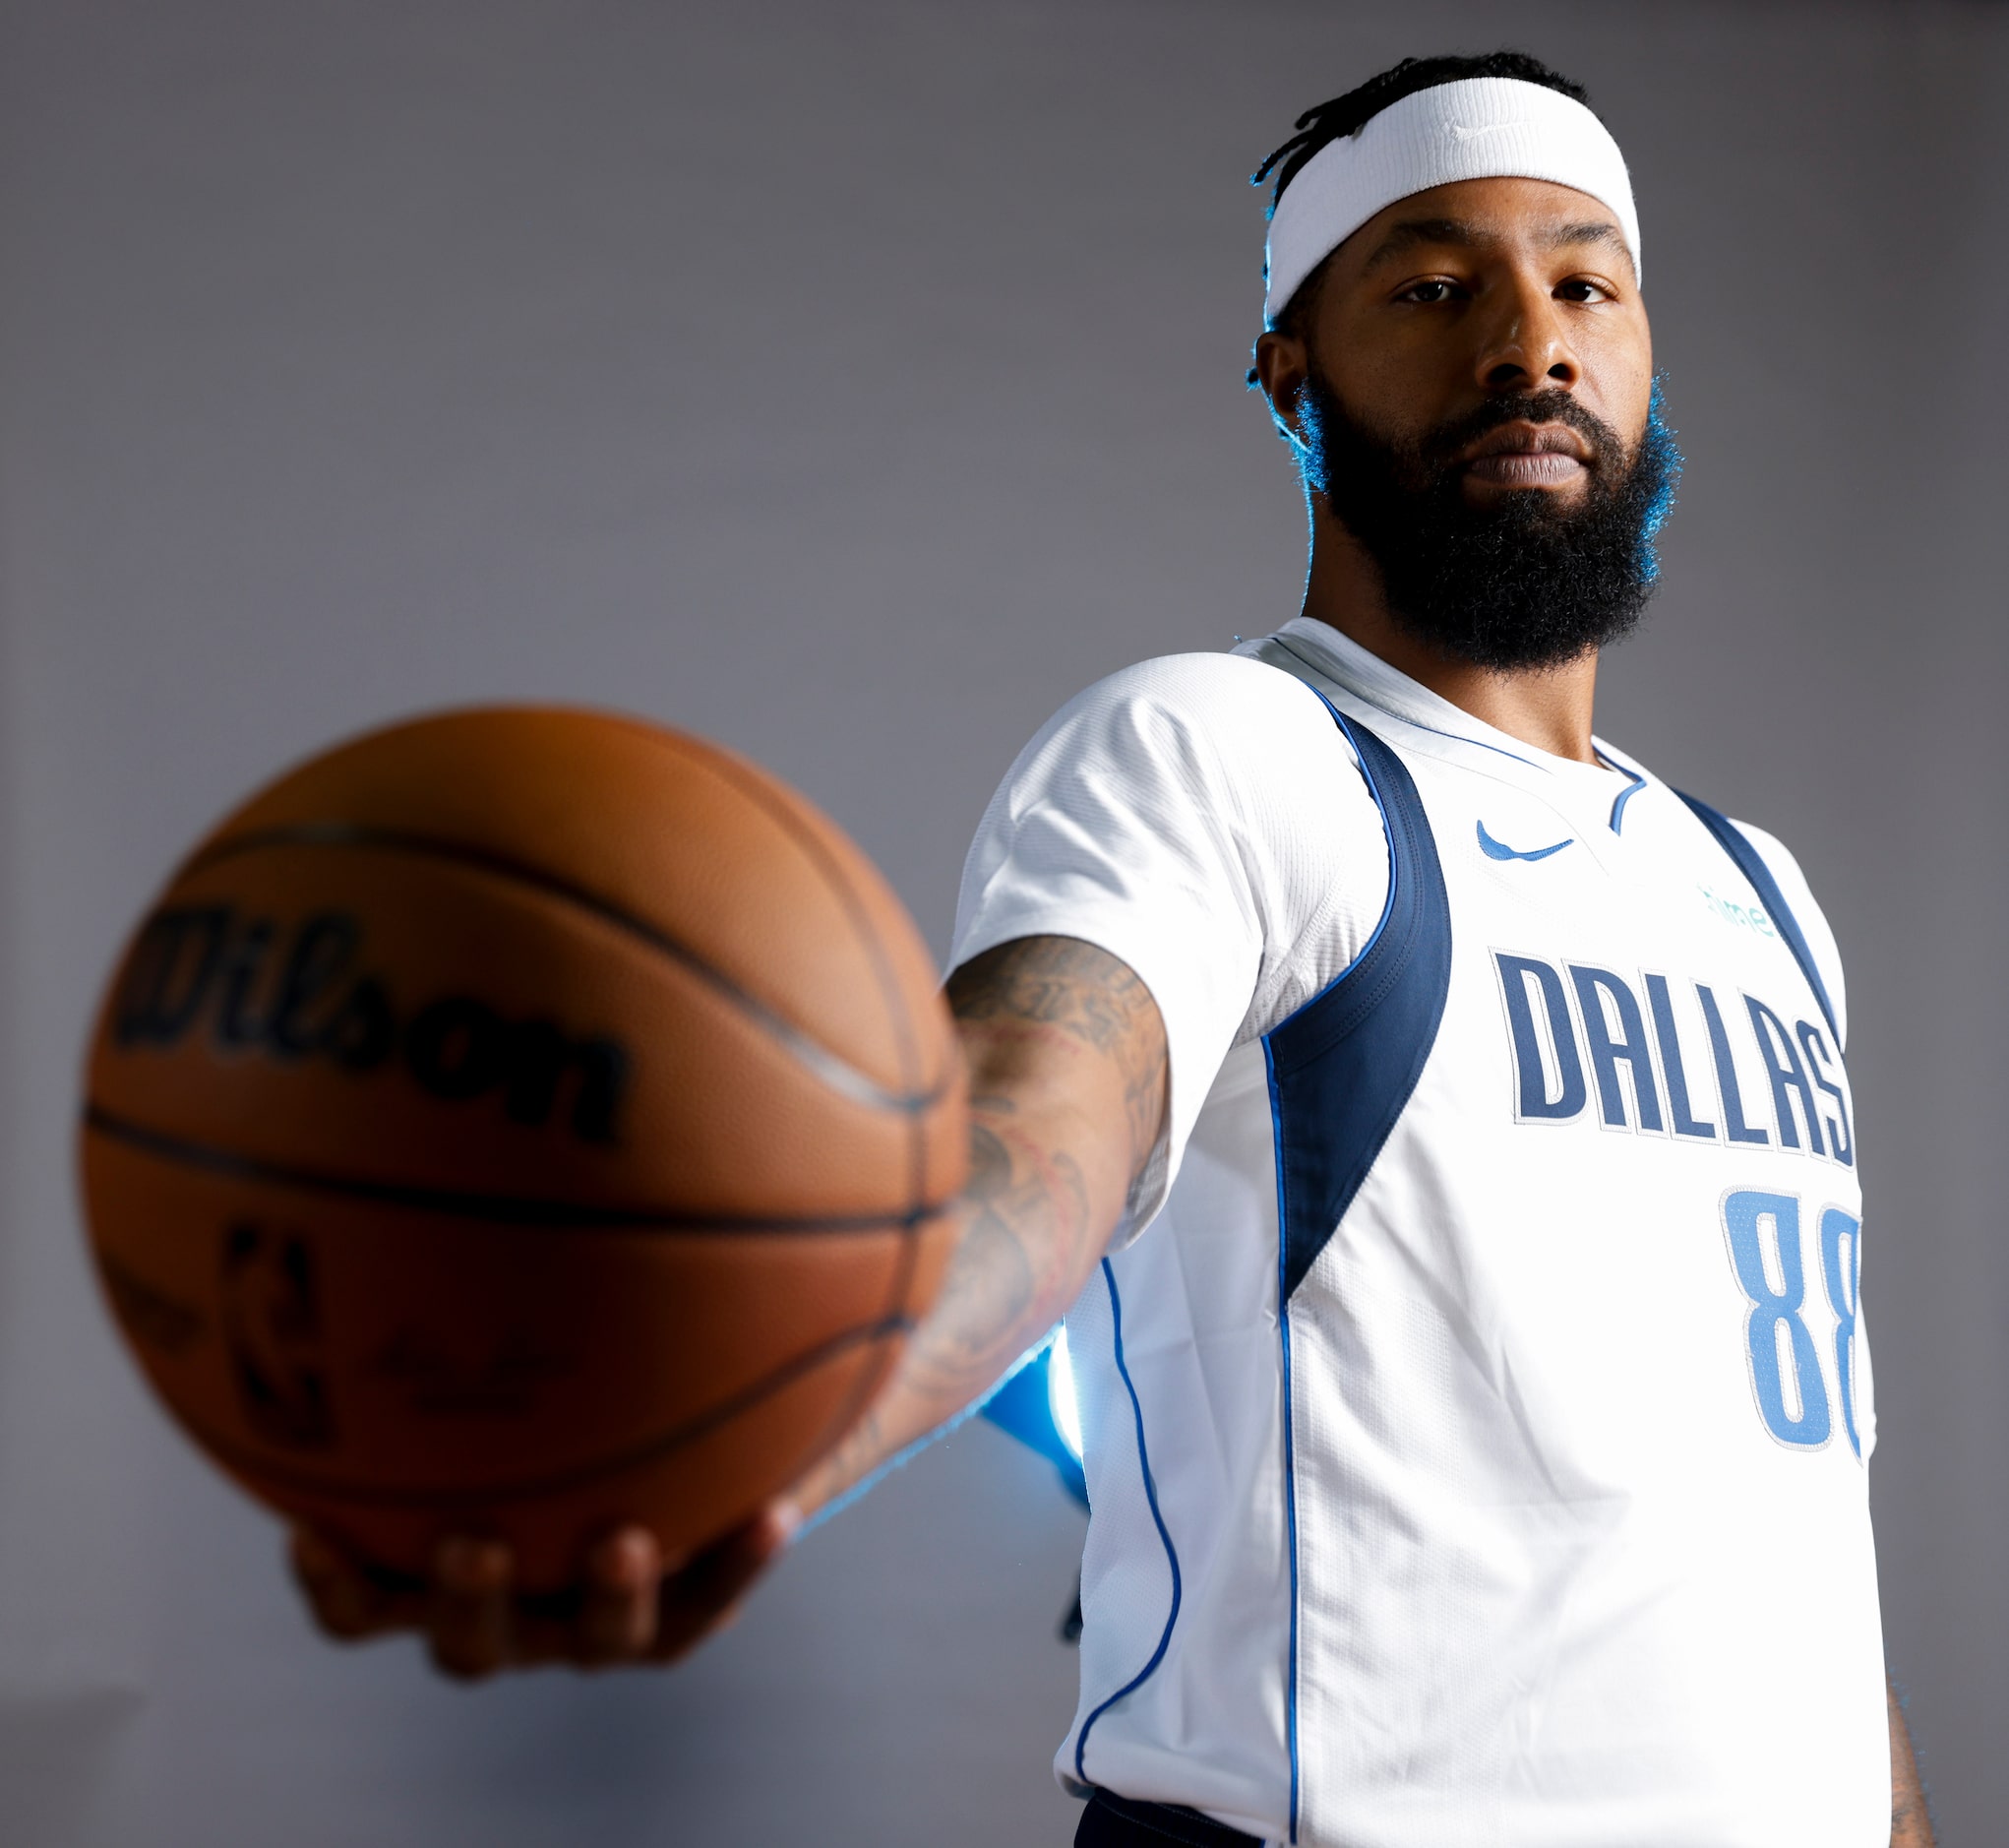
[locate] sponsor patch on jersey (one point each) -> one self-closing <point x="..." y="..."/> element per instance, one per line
<point x="1750" y="917"/>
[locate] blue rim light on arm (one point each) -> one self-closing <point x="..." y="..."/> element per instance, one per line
<point x="1065" y="1407"/>
<point x="1037" y="1406"/>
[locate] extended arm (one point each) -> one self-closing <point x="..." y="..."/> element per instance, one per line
<point x="1067" y="1069"/>
<point x="1067" y="1062"/>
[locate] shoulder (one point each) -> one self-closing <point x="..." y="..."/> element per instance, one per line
<point x="1780" y="863"/>
<point x="1193" y="792"/>
<point x="1220" y="699"/>
<point x="1210" y="740"/>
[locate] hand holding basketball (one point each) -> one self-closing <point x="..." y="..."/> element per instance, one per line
<point x="519" y="1145"/>
<point x="629" y="1606"/>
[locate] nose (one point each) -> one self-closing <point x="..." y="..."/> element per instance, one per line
<point x="1524" y="345"/>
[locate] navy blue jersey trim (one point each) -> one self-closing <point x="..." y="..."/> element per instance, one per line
<point x="1276" y="1117"/>
<point x="1150" y="1668"/>
<point x="1751" y="864"/>
<point x="1388" y="903"/>
<point x="1344" y="1066"/>
<point x="1341" y="1070"/>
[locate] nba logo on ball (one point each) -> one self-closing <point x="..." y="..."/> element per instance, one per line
<point x="271" y="1324"/>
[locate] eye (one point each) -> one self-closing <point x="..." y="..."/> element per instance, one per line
<point x="1582" y="289"/>
<point x="1432" y="290"/>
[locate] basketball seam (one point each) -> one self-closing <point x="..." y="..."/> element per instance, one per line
<point x="892" y="996"/>
<point x="720" y="763"/>
<point x="835" y="877"/>
<point x="830" y="1067"/>
<point x="526" y="1211"/>
<point x="653" y="1449"/>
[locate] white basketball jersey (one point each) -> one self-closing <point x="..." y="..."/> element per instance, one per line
<point x="1476" y="1441"/>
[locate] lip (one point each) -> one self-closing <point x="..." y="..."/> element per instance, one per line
<point x="1521" y="438"/>
<point x="1523" y="455"/>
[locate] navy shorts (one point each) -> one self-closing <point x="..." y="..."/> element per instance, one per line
<point x="1112" y="1822"/>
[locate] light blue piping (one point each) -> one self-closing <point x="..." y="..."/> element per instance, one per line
<point x="1151" y="1496"/>
<point x="1624" y="795"/>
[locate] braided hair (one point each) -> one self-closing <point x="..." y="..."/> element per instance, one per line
<point x="1348" y="114"/>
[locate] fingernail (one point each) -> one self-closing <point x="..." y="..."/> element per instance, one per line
<point x="630" y="1555"/>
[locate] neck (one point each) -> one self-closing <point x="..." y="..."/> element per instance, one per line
<point x="1549" y="708"/>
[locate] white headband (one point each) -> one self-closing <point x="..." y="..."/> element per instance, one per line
<point x="1479" y="128"/>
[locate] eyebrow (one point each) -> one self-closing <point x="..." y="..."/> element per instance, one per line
<point x="1407" y="234"/>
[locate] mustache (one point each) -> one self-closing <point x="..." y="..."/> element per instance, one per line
<point x="1442" y="445"/>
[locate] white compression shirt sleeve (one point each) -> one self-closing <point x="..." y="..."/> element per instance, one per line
<point x="1201" y="818"/>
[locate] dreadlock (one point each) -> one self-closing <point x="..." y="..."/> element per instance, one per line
<point x="1348" y="114"/>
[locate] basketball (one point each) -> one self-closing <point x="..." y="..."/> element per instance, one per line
<point x="522" y="1122"/>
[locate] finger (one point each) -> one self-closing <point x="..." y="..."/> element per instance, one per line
<point x="467" y="1614"/>
<point x="617" y="1620"/>
<point x="349" y="1601"/>
<point x="543" y="1637"/>
<point x="704" y="1598"/>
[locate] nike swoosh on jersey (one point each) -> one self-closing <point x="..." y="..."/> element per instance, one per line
<point x="1500" y="850"/>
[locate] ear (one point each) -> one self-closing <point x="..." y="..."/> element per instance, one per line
<point x="1282" y="365"/>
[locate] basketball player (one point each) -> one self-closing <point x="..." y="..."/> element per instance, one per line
<point x="1433" y="1126"/>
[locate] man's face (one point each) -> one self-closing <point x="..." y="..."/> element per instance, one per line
<point x="1472" y="393"/>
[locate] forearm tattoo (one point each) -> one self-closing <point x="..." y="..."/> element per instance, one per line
<point x="1043" y="1018"/>
<point x="1030" y="1205"/>
<point x="1064" y="985"/>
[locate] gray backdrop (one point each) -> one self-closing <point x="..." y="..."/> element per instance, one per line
<point x="853" y="382"/>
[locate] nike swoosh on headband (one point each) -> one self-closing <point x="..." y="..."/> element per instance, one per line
<point x="1459" y="132"/>
<point x="1500" y="850"/>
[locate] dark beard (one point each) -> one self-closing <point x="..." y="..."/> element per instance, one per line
<point x="1521" y="584"/>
